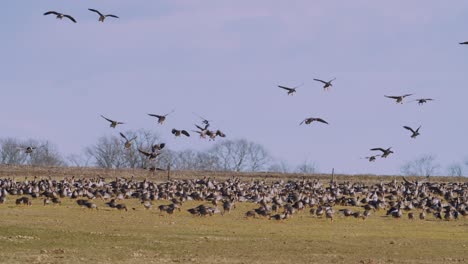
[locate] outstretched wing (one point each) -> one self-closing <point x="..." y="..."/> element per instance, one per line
<point x="94" y="10"/>
<point x="185" y="133"/>
<point x="112" y="121"/>
<point x="153" y="115"/>
<point x="321" y="120"/>
<point x="322" y="81"/>
<point x="409" y="128"/>
<point x="112" y="16"/>
<point x="51" y="12"/>
<point x="122" y="135"/>
<point x="70" y="17"/>
<point x="464" y="43"/>
<point x="147" y="154"/>
<point x="407" y="95"/>
<point x="393" y="97"/>
<point x="286" y="88"/>
<point x="380" y="149"/>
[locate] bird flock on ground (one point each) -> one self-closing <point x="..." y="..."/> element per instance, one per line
<point x="278" y="200"/>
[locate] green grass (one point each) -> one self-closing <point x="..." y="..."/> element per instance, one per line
<point x="70" y="234"/>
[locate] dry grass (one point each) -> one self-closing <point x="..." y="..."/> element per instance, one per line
<point x="70" y="234"/>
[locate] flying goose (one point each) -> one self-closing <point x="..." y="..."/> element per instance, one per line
<point x="372" y="158"/>
<point x="290" y="90"/>
<point x="113" y="123"/>
<point x="60" y="15"/>
<point x="161" y="118"/>
<point x="312" y="119"/>
<point x="385" y="153"/>
<point x="101" y="16"/>
<point x="326" y="85"/>
<point x="149" y="155"/>
<point x="399" y="99"/>
<point x="157" y="147"/>
<point x="421" y="101"/>
<point x="28" y="149"/>
<point x="415" y="132"/>
<point x="179" y="132"/>
<point x="128" y="142"/>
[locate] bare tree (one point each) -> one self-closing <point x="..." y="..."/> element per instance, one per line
<point x="280" y="167"/>
<point x="107" y="152"/>
<point x="455" y="170"/>
<point x="422" y="166"/>
<point x="10" y="152"/>
<point x="307" y="167"/>
<point x="13" y="151"/>
<point x="240" y="155"/>
<point x="45" y="154"/>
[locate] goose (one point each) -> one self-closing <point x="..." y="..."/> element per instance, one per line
<point x="149" y="155"/>
<point x="312" y="119"/>
<point x="421" y="101"/>
<point x="101" y="16"/>
<point x="290" y="90"/>
<point x="399" y="99"/>
<point x="60" y="15"/>
<point x="161" y="118"/>
<point x="422" y="215"/>
<point x="326" y="84"/>
<point x="415" y="132"/>
<point x="385" y="153"/>
<point x="28" y="149"/>
<point x="372" y="158"/>
<point x="113" y="123"/>
<point x="128" y="142"/>
<point x="411" y="216"/>
<point x="177" y="133"/>
<point x="157" y="147"/>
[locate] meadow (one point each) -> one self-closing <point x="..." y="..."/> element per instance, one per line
<point x="68" y="233"/>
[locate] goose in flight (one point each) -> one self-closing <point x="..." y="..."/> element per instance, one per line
<point x="372" y="158"/>
<point x="28" y="149"/>
<point x="312" y="119"/>
<point x="128" y="142"/>
<point x="161" y="118"/>
<point x="150" y="155"/>
<point x="385" y="152"/>
<point x="101" y="16"/>
<point x="177" y="133"/>
<point x="421" y="101"/>
<point x="290" y="90"/>
<point x="60" y="15"/>
<point x="113" y="123"/>
<point x="326" y="84"/>
<point x="415" y="132"/>
<point x="399" y="99"/>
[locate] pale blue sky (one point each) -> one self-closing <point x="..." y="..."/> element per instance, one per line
<point x="224" y="60"/>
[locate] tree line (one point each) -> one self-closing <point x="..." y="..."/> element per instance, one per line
<point x="238" y="155"/>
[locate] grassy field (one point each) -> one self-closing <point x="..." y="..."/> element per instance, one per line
<point x="69" y="234"/>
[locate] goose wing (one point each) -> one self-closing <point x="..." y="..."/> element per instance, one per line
<point x="380" y="149"/>
<point x="321" y="120"/>
<point x="112" y="121"/>
<point x="147" y="154"/>
<point x="95" y="11"/>
<point x="393" y="97"/>
<point x="463" y="43"/>
<point x="322" y="81"/>
<point x="286" y="88"/>
<point x="185" y="133"/>
<point x="122" y="135"/>
<point x="409" y="128"/>
<point x="112" y="16"/>
<point x="70" y="17"/>
<point x="51" y="12"/>
<point x="153" y="115"/>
